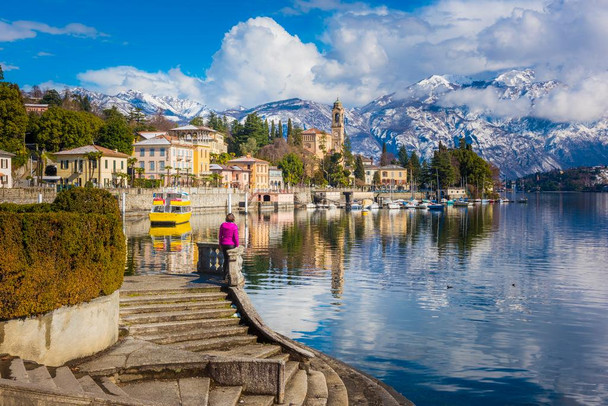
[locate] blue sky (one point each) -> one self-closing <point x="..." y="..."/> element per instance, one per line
<point x="229" y="53"/>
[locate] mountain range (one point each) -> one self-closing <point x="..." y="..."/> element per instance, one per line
<point x="424" y="114"/>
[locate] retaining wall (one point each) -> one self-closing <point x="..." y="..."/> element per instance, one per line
<point x="64" y="334"/>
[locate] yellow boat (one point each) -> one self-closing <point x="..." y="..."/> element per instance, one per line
<point x="169" y="209"/>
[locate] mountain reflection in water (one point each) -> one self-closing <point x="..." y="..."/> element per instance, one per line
<point x="491" y="305"/>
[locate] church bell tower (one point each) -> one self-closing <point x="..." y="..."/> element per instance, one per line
<point x="337" y="126"/>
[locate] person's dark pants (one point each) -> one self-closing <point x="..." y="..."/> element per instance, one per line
<point x="225" y="249"/>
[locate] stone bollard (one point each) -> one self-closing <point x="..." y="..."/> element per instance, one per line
<point x="235" y="267"/>
<point x="211" y="261"/>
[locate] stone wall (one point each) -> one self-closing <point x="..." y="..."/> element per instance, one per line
<point x="27" y="196"/>
<point x="65" y="334"/>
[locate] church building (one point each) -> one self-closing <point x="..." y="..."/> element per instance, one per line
<point x="319" y="142"/>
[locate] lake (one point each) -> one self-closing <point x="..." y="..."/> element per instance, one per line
<point x="489" y="305"/>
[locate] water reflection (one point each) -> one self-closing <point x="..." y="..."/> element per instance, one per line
<point x="495" y="304"/>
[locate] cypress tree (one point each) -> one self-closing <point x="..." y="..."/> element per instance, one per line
<point x="289" y="128"/>
<point x="273" y="130"/>
<point x="280" y="130"/>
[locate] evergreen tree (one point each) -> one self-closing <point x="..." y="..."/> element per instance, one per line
<point x="414" y="165"/>
<point x="267" y="130"/>
<point x="279" y="130"/>
<point x="1" y="73"/>
<point x="273" y="130"/>
<point x="359" y="168"/>
<point x="197" y="121"/>
<point x="293" y="168"/>
<point x="52" y="98"/>
<point x="386" y="158"/>
<point x="13" y="118"/>
<point x="116" y="134"/>
<point x="402" y="156"/>
<point x="297" y="136"/>
<point x="289" y="128"/>
<point x="60" y="129"/>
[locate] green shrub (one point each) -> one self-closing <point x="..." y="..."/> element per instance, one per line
<point x="86" y="200"/>
<point x="52" y="256"/>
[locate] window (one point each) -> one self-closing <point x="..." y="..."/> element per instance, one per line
<point x="161" y="165"/>
<point x="122" y="165"/>
<point x="151" y="151"/>
<point x="142" y="165"/>
<point x="3" y="163"/>
<point x="151" y="165"/>
<point x="80" y="165"/>
<point x="106" y="166"/>
<point x="114" y="165"/>
<point x="162" y="152"/>
<point x="142" y="152"/>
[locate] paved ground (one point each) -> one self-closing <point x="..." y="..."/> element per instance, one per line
<point x="133" y="284"/>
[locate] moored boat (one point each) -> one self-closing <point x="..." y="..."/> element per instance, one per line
<point x="170" y="209"/>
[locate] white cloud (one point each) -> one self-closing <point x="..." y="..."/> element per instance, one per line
<point x="120" y="78"/>
<point x="374" y="51"/>
<point x="6" y="67"/>
<point x="487" y="101"/>
<point x="42" y="53"/>
<point x="29" y="29"/>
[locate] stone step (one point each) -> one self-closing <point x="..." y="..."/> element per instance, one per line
<point x="111" y="388"/>
<point x="224" y="396"/>
<point x="181" y="306"/>
<point x="158" y="328"/>
<point x="163" y="317"/>
<point x="89" y="386"/>
<point x="256" y="350"/>
<point x="291" y="368"/>
<point x="336" y="390"/>
<point x="194" y="391"/>
<point x="65" y="379"/>
<point x="17" y="371"/>
<point x="175" y="298"/>
<point x="157" y="391"/>
<point x="166" y="292"/>
<point x="257" y="400"/>
<point x="196" y="334"/>
<point x="317" y="389"/>
<point x="214" y="343"/>
<point x="280" y="357"/>
<point x="295" y="392"/>
<point x="40" y="376"/>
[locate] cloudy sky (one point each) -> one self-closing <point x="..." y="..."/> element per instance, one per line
<point x="247" y="52"/>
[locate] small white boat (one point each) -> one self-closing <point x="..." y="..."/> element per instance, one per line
<point x="311" y="206"/>
<point x="411" y="204"/>
<point x="392" y="206"/>
<point x="356" y="206"/>
<point x="332" y="206"/>
<point x="422" y="205"/>
<point x="462" y="203"/>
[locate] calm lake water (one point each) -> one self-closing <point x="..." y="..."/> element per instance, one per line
<point x="491" y="305"/>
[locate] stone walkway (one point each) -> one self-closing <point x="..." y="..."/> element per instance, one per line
<point x="190" y="340"/>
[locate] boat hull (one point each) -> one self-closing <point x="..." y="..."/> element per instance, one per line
<point x="169" y="219"/>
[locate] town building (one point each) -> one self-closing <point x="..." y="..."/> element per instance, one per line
<point x="6" y="177"/>
<point x="164" y="156"/>
<point x="454" y="193"/>
<point x="275" y="178"/>
<point x="257" y="168"/>
<point x="370" y="171"/>
<point x="393" y="175"/>
<point x="146" y="135"/>
<point x="201" y="135"/>
<point x="231" y="176"/>
<point x="36" y="108"/>
<point x="319" y="142"/>
<point x="91" y="163"/>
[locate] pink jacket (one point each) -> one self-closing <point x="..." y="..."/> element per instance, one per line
<point x="229" y="234"/>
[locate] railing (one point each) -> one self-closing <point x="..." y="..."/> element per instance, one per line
<point x="211" y="261"/>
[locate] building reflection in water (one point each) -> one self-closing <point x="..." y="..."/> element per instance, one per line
<point x="291" y="246"/>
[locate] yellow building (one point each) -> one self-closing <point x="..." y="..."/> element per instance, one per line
<point x="258" y="169"/>
<point x="91" y="163"/>
<point x="319" y="142"/>
<point x="392" y="175"/>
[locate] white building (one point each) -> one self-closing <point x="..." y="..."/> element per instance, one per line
<point x="6" y="179"/>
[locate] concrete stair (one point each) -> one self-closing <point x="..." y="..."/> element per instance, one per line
<point x="42" y="385"/>
<point x="206" y="321"/>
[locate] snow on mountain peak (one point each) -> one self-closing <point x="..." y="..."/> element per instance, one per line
<point x="516" y="78"/>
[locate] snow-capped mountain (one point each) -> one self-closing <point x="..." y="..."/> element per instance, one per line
<point x="173" y="108"/>
<point x="493" y="115"/>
